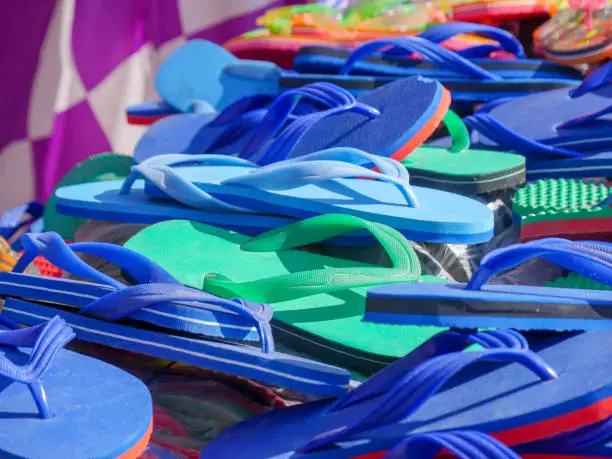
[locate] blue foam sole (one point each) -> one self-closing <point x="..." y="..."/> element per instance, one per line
<point x="157" y="108"/>
<point x="489" y="399"/>
<point x="99" y="410"/>
<point x="274" y="368"/>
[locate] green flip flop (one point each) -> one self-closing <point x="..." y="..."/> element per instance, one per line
<point x="318" y="300"/>
<point x="569" y="208"/>
<point x="96" y="168"/>
<point x="461" y="169"/>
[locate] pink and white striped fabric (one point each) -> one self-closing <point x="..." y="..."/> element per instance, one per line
<point x="72" y="66"/>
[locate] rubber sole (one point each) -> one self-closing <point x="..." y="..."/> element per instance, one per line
<point x="587" y="228"/>
<point x="485" y="183"/>
<point x="139" y="447"/>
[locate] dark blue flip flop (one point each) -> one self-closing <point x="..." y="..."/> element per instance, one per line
<point x="514" y="306"/>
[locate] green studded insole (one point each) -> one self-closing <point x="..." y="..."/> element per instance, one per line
<point x="573" y="280"/>
<point x="190" y="250"/>
<point x="561" y="199"/>
<point x="105" y="166"/>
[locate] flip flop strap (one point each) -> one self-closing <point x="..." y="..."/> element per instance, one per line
<point x="431" y="52"/>
<point x="505" y="137"/>
<point x="11" y="221"/>
<point x="46" y="340"/>
<point x="600" y="77"/>
<point x="440" y="344"/>
<point x="155" y="171"/>
<point x="443" y="32"/>
<point x="52" y="247"/>
<point x="122" y="303"/>
<point x="591" y="259"/>
<point x="420" y="384"/>
<point x="406" y="267"/>
<point x="304" y="170"/>
<point x="157" y="285"/>
<point x="460" y="136"/>
<point x="462" y="444"/>
<point x="325" y="165"/>
<point x="279" y="147"/>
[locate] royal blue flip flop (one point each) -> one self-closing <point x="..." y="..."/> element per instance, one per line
<point x="561" y="133"/>
<point x="517" y="306"/>
<point x="57" y="403"/>
<point x="158" y="316"/>
<point x="331" y="181"/>
<point x="328" y="60"/>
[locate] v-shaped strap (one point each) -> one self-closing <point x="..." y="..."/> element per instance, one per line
<point x="591" y="259"/>
<point x="406" y="267"/>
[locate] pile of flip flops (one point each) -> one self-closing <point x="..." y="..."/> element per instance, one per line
<point x="393" y="220"/>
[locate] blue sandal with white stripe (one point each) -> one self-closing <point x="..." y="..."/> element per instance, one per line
<point x="331" y="181"/>
<point x="158" y="317"/>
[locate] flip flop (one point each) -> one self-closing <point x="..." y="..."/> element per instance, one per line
<point x="57" y="403"/>
<point x="327" y="60"/>
<point x="569" y="208"/>
<point x="577" y="36"/>
<point x="567" y="138"/>
<point x="148" y="112"/>
<point x="318" y="300"/>
<point x="498" y="11"/>
<point x="517" y="306"/>
<point x="230" y="131"/>
<point x="158" y="316"/>
<point x="512" y="405"/>
<point x="18" y="220"/>
<point x="330" y="181"/>
<point x="461" y="169"/>
<point x="96" y="168"/>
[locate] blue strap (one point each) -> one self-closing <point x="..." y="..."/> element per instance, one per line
<point x="325" y="165"/>
<point x="462" y="444"/>
<point x="159" y="286"/>
<point x="600" y="77"/>
<point x="242" y="125"/>
<point x="157" y="172"/>
<point x="591" y="259"/>
<point x="338" y="100"/>
<point x="51" y="246"/>
<point x="201" y="107"/>
<point x="122" y="303"/>
<point x="479" y="51"/>
<point x="500" y="134"/>
<point x="45" y="340"/>
<point x="431" y="52"/>
<point x="440" y="344"/>
<point x="586" y="118"/>
<point x="415" y="388"/>
<point x="443" y="32"/>
<point x="488" y="106"/>
<point x="240" y="107"/>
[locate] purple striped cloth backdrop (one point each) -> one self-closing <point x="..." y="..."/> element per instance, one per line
<point x="72" y="66"/>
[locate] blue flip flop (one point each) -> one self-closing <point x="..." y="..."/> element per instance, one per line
<point x="148" y="112"/>
<point x="562" y="392"/>
<point x="517" y="306"/>
<point x="331" y="181"/>
<point x="57" y="403"/>
<point x="328" y="60"/>
<point x="561" y="133"/>
<point x="16" y="221"/>
<point x="158" y="316"/>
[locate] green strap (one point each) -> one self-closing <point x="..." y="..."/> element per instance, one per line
<point x="458" y="131"/>
<point x="406" y="266"/>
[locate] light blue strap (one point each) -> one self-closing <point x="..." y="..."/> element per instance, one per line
<point x="431" y="52"/>
<point x="336" y="99"/>
<point x="201" y="107"/>
<point x="462" y="444"/>
<point x="122" y="303"/>
<point x="46" y="340"/>
<point x="415" y="388"/>
<point x="507" y="138"/>
<point x="52" y="247"/>
<point x="168" y="181"/>
<point x="585" y="259"/>
<point x="443" y="32"/>
<point x="326" y="165"/>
